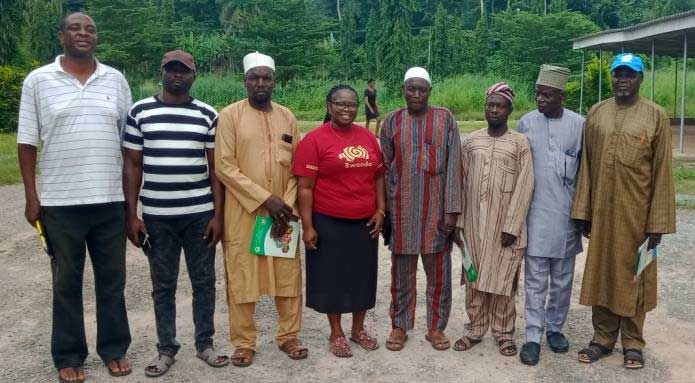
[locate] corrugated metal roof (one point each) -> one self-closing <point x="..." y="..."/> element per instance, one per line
<point x="640" y="25"/>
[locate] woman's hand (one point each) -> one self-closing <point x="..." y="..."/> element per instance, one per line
<point x="310" y="238"/>
<point x="376" y="223"/>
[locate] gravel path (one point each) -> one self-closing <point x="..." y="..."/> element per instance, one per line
<point x="25" y="323"/>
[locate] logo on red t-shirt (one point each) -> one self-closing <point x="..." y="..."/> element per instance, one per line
<point x="350" y="153"/>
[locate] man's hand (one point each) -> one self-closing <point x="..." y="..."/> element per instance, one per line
<point x="32" y="210"/>
<point x="278" y="209"/>
<point x="449" y="223"/>
<point x="586" y="228"/>
<point x="278" y="229"/>
<point x="654" y="240"/>
<point x="376" y="223"/>
<point x="213" y="233"/>
<point x="135" y="227"/>
<point x="508" y="239"/>
<point x="458" y="237"/>
<point x="310" y="237"/>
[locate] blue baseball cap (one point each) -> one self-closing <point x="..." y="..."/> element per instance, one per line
<point x="629" y="60"/>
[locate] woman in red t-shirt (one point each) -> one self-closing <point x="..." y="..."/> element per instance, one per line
<point x="341" y="202"/>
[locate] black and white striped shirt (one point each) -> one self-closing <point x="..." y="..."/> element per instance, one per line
<point x="78" y="128"/>
<point x="173" y="139"/>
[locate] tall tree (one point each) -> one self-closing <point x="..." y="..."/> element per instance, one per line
<point x="292" y="31"/>
<point x="42" y="19"/>
<point x="441" y="54"/>
<point x="371" y="43"/>
<point x="347" y="38"/>
<point x="10" y="30"/>
<point x="520" y="53"/>
<point x="396" y="39"/>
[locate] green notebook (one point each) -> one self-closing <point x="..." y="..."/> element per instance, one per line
<point x="263" y="244"/>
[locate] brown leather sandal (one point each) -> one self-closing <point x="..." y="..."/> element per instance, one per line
<point x="294" y="349"/>
<point x="397" y="339"/>
<point x="438" y="340"/>
<point x="465" y="343"/>
<point x="365" y="340"/>
<point x="507" y="347"/>
<point x="243" y="357"/>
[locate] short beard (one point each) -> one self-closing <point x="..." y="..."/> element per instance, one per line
<point x="262" y="98"/>
<point x="178" y="91"/>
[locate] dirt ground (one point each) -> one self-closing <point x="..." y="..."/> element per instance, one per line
<point x="25" y="323"/>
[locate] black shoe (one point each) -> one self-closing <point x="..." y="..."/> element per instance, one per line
<point x="558" y="342"/>
<point x="530" y="353"/>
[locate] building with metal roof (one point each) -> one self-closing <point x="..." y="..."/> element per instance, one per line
<point x="666" y="36"/>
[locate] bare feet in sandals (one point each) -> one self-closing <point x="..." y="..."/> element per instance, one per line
<point x="213" y="357"/>
<point x="243" y="357"/>
<point x="294" y="349"/>
<point x="159" y="365"/>
<point x="507" y="347"/>
<point x="465" y="343"/>
<point x="365" y="340"/>
<point x="397" y="339"/>
<point x="339" y="347"/>
<point x="71" y="375"/>
<point x="438" y="340"/>
<point x="119" y="367"/>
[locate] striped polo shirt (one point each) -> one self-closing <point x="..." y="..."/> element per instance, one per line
<point x="78" y="129"/>
<point x="173" y="139"/>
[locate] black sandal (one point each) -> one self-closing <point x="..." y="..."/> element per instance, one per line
<point x="593" y="352"/>
<point x="633" y="359"/>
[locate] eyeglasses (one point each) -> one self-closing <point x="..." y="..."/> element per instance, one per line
<point x="345" y="105"/>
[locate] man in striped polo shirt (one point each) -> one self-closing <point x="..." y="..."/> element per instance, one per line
<point x="170" y="139"/>
<point x="75" y="110"/>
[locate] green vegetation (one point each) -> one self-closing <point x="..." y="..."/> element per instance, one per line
<point x="684" y="177"/>
<point x="9" y="167"/>
<point x="464" y="95"/>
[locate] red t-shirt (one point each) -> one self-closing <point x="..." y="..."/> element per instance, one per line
<point x="344" y="165"/>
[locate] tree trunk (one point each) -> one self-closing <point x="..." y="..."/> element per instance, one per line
<point x="482" y="8"/>
<point x="337" y="6"/>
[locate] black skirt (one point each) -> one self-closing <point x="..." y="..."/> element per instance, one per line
<point x="341" y="274"/>
<point x="369" y="114"/>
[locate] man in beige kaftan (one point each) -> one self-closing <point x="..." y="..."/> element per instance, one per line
<point x="497" y="190"/>
<point x="625" y="196"/>
<point x="255" y="141"/>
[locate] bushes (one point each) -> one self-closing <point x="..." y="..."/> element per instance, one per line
<point x="11" y="79"/>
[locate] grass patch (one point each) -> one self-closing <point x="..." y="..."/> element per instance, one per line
<point x="464" y="94"/>
<point x="684" y="177"/>
<point x="9" y="167"/>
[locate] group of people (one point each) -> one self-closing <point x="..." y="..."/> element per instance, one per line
<point x="201" y="177"/>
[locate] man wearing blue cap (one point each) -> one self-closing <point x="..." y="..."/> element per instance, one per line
<point x="625" y="197"/>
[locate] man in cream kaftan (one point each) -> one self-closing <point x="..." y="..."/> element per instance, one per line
<point x="254" y="152"/>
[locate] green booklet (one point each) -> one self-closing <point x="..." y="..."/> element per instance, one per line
<point x="263" y="244"/>
<point x="468" y="267"/>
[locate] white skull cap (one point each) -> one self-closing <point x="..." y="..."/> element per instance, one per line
<point x="417" y="72"/>
<point x="256" y="59"/>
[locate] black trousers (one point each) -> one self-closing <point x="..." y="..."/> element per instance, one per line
<point x="101" y="227"/>
<point x="168" y="237"/>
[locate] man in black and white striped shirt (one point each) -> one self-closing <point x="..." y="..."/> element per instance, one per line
<point x="74" y="110"/>
<point x="170" y="139"/>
